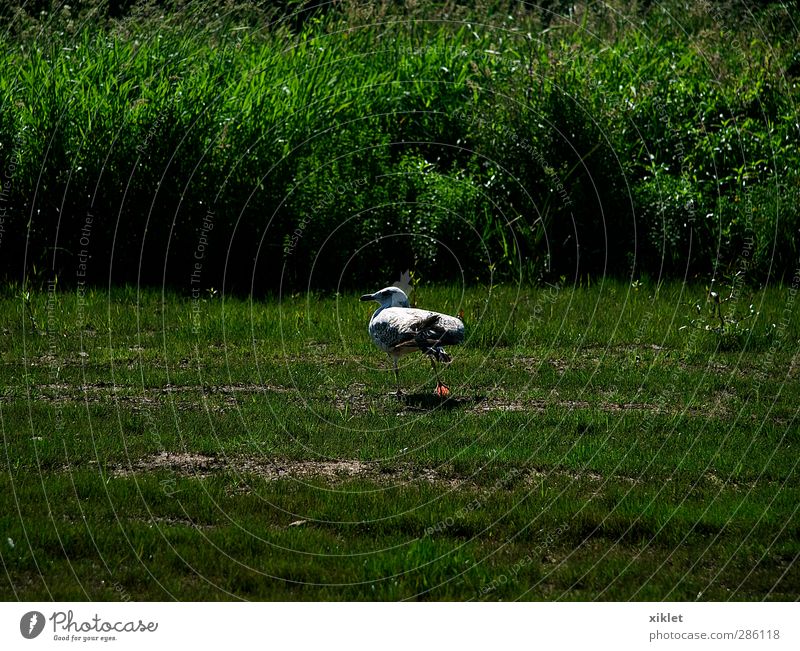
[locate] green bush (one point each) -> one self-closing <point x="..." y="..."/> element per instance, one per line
<point x="336" y="146"/>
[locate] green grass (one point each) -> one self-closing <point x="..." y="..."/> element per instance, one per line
<point x="591" y="449"/>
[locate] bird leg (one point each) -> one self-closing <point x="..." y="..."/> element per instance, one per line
<point x="441" y="390"/>
<point x="397" y="377"/>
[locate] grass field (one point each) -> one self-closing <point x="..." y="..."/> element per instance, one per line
<point x="157" y="447"/>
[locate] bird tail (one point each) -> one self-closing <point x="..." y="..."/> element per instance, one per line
<point x="438" y="353"/>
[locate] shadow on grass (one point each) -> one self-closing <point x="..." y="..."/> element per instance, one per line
<point x="429" y="402"/>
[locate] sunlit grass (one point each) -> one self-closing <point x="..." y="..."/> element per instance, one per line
<point x="600" y="440"/>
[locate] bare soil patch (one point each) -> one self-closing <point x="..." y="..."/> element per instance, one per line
<point x="353" y="399"/>
<point x="201" y="465"/>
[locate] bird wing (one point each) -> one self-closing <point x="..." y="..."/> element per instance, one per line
<point x="398" y="328"/>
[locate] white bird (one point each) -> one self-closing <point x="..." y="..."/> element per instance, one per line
<point x="398" y="329"/>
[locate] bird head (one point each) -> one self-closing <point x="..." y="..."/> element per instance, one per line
<point x="388" y="297"/>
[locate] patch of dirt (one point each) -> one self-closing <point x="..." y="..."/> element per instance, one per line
<point x="352" y="400"/>
<point x="198" y="465"/>
<point x="173" y="522"/>
<point x="184" y="463"/>
<point x="141" y="397"/>
<point x="540" y="404"/>
<point x="537" y="474"/>
<point x="202" y="465"/>
<point x="508" y="406"/>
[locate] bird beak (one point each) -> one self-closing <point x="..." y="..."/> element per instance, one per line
<point x="368" y="297"/>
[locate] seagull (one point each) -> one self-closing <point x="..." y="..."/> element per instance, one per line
<point x="398" y="329"/>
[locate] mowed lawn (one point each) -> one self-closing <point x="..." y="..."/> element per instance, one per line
<point x="156" y="447"/>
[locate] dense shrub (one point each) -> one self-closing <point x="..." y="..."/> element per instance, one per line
<point x="353" y="140"/>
